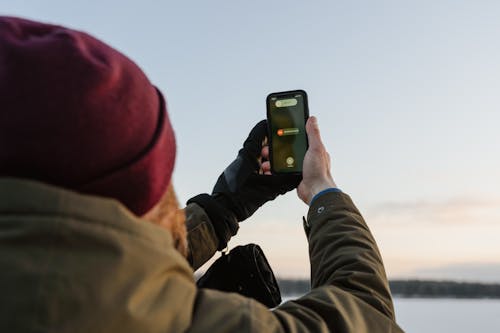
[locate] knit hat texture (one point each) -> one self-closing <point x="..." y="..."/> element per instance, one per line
<point x="76" y="113"/>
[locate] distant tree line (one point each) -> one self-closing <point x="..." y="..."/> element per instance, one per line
<point x="294" y="287"/>
<point x="411" y="288"/>
<point x="420" y="288"/>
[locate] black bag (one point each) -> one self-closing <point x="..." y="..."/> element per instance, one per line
<point x="244" y="270"/>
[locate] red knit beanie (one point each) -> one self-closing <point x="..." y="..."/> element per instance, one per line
<point x="76" y="113"/>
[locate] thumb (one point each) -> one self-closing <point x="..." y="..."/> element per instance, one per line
<point x="313" y="135"/>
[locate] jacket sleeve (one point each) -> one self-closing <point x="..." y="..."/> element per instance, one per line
<point x="202" y="239"/>
<point x="346" y="270"/>
<point x="344" y="254"/>
<point x="350" y="291"/>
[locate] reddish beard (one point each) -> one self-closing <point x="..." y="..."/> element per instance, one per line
<point x="167" y="214"/>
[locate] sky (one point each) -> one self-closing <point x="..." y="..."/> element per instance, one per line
<point x="406" y="94"/>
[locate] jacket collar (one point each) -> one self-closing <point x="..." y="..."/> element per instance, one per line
<point x="18" y="196"/>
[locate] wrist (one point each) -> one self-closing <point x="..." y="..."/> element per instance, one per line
<point x="317" y="188"/>
<point x="328" y="190"/>
<point x="222" y="219"/>
<point x="231" y="206"/>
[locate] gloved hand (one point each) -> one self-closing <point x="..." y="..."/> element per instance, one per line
<point x="242" y="188"/>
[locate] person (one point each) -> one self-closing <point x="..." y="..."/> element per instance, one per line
<point x="91" y="235"/>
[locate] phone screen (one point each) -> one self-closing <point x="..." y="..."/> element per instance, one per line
<point x="287" y="113"/>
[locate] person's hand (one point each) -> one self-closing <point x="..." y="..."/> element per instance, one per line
<point x="243" y="187"/>
<point x="316" y="175"/>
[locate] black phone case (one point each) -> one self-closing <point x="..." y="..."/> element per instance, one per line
<point x="269" y="136"/>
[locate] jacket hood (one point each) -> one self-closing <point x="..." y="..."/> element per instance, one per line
<point x="79" y="263"/>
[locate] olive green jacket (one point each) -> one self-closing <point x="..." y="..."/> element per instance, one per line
<point x="76" y="263"/>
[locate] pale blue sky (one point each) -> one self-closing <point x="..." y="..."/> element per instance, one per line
<point x="406" y="93"/>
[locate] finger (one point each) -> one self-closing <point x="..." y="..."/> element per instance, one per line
<point x="266" y="166"/>
<point x="265" y="152"/>
<point x="313" y="134"/>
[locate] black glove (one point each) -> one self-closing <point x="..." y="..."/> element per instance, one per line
<point x="241" y="190"/>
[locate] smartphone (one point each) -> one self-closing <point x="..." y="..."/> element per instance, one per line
<point x="287" y="113"/>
